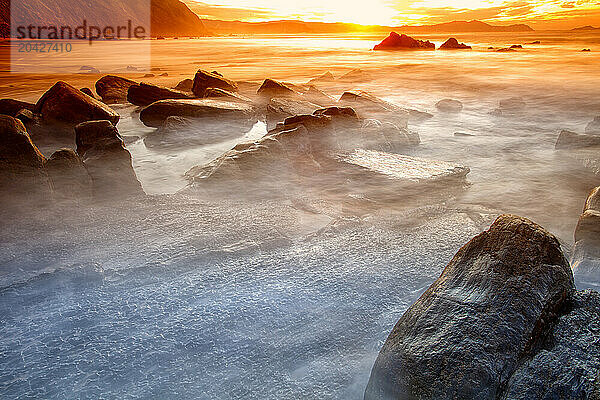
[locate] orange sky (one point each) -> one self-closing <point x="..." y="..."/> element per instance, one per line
<point x="552" y="14"/>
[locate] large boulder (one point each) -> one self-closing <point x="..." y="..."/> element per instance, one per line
<point x="272" y="88"/>
<point x="593" y="128"/>
<point x="156" y="113"/>
<point x="185" y="85"/>
<point x="453" y="44"/>
<point x="144" y="94"/>
<point x="403" y="42"/>
<point x="489" y="311"/>
<point x="204" y="80"/>
<point x="280" y="108"/>
<point x="66" y="105"/>
<point x="23" y="178"/>
<point x="12" y="107"/>
<point x="586" y="252"/>
<point x="107" y="160"/>
<point x="571" y="140"/>
<point x="369" y="106"/>
<point x="70" y="179"/>
<point x="113" y="89"/>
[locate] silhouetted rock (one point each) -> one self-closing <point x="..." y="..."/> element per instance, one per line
<point x="586" y="252"/>
<point x="107" y="160"/>
<point x="69" y="177"/>
<point x="403" y="42"/>
<point x="23" y="179"/>
<point x="113" y="89"/>
<point x="185" y="85"/>
<point x="449" y="106"/>
<point x="326" y="77"/>
<point x="593" y="128"/>
<point x="149" y="75"/>
<point x="64" y="104"/>
<point x="156" y="113"/>
<point x="534" y="42"/>
<point x="271" y="88"/>
<point x="11" y="107"/>
<point x="280" y="108"/>
<point x="144" y="94"/>
<point x="489" y="311"/>
<point x="453" y="44"/>
<point x="204" y="80"/>
<point x="516" y="46"/>
<point x="586" y="50"/>
<point x="505" y="50"/>
<point x="571" y="140"/>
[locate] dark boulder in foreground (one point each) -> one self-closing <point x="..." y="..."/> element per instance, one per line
<point x="593" y="128"/>
<point x="23" y="178"/>
<point x="156" y="113"/>
<point x="403" y="42"/>
<point x="144" y="94"/>
<point x="449" y="106"/>
<point x="586" y="252"/>
<point x="64" y="104"/>
<point x="453" y="44"/>
<point x="12" y="107"/>
<point x="69" y="177"/>
<point x="571" y="140"/>
<point x="107" y="160"/>
<point x="113" y="89"/>
<point x="272" y="88"/>
<point x="204" y="80"/>
<point x="491" y="309"/>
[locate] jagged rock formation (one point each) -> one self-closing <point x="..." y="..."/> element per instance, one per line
<point x="453" y="44"/>
<point x="403" y="42"/>
<point x="204" y="80"/>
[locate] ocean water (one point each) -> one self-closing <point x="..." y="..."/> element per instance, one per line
<point x="291" y="295"/>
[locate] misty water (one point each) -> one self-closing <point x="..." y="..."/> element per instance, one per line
<point x="290" y="294"/>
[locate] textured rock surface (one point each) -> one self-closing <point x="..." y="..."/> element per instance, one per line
<point x="69" y="177"/>
<point x="491" y="308"/>
<point x="107" y="160"/>
<point x="586" y="252"/>
<point x="369" y="106"/>
<point x="12" y="107"/>
<point x="22" y="174"/>
<point x="453" y="44"/>
<point x="185" y="85"/>
<point x="64" y="104"/>
<point x="156" y="113"/>
<point x="113" y="89"/>
<point x="571" y="140"/>
<point x="144" y="94"/>
<point x="280" y="108"/>
<point x="204" y="80"/>
<point x="272" y="88"/>
<point x="403" y="42"/>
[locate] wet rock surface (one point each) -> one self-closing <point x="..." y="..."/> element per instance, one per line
<point x="492" y="308"/>
<point x="144" y="94"/>
<point x="107" y="160"/>
<point x="12" y="107"/>
<point x="204" y="80"/>
<point x="396" y="41"/>
<point x="113" y="89"/>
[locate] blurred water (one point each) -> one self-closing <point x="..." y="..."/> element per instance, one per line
<point x="220" y="298"/>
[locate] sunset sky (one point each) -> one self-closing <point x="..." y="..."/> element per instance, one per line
<point x="553" y="14"/>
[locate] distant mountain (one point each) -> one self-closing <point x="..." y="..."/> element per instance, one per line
<point x="168" y="17"/>
<point x="585" y="28"/>
<point x="294" y="26"/>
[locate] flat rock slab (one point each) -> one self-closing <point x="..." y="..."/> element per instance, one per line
<point x="155" y="114"/>
<point x="404" y="168"/>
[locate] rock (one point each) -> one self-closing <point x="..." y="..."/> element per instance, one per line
<point x="185" y="85"/>
<point x="156" y="113"/>
<point x="26" y="116"/>
<point x="204" y="80"/>
<point x="12" y="107"/>
<point x="510" y="106"/>
<point x="87" y="91"/>
<point x="69" y="177"/>
<point x="505" y="50"/>
<point x="516" y="46"/>
<point x="280" y="108"/>
<point x="89" y="70"/>
<point x="593" y="128"/>
<point x="586" y="251"/>
<point x="385" y="136"/>
<point x="571" y="140"/>
<point x="534" y="42"/>
<point x="149" y="76"/>
<point x="403" y="42"/>
<point x="488" y="312"/>
<point x="23" y="178"/>
<point x="567" y="367"/>
<point x="144" y="94"/>
<point x="326" y="77"/>
<point x="164" y="74"/>
<point x="113" y="89"/>
<point x="107" y="160"/>
<point x="449" y="106"/>
<point x="317" y="96"/>
<point x="453" y="44"/>
<point x="271" y="88"/>
<point x="356" y="75"/>
<point x="369" y="106"/>
<point x="224" y="94"/>
<point x="586" y="50"/>
<point x="64" y="104"/>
